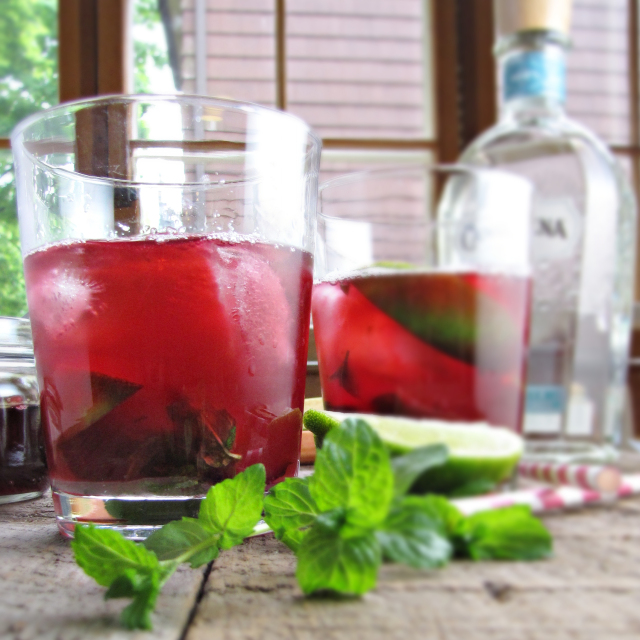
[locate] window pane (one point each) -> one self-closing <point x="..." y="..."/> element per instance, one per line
<point x="410" y="204"/>
<point x="360" y="68"/>
<point x="231" y="53"/>
<point x="598" y="68"/>
<point x="157" y="44"/>
<point x="28" y="59"/>
<point x="13" y="301"/>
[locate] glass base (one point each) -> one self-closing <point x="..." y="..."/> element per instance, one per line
<point x="135" y="517"/>
<point x="568" y="451"/>
<point x="19" y="497"/>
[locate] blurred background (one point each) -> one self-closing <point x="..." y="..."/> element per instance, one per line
<point x="379" y="80"/>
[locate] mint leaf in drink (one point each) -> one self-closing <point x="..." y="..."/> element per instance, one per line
<point x="182" y="537"/>
<point x="352" y="470"/>
<point x="409" y="467"/>
<point x="289" y="510"/>
<point x="414" y="535"/>
<point x="327" y="561"/>
<point x="233" y="507"/>
<point x="510" y="533"/>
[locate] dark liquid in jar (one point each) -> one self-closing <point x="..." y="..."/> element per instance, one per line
<point x="22" y="458"/>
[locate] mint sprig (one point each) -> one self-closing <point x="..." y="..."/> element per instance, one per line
<point x="353" y="513"/>
<point x="342" y="523"/>
<point x="227" y="515"/>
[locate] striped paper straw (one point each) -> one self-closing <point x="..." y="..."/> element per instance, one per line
<point x="606" y="480"/>
<point x="630" y="485"/>
<point x="540" y="500"/>
<point x="544" y="499"/>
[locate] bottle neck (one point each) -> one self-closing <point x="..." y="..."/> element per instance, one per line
<point x="532" y="71"/>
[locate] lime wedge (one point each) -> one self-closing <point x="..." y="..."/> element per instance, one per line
<point x="477" y="451"/>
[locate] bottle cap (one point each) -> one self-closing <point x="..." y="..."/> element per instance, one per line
<point x="512" y="16"/>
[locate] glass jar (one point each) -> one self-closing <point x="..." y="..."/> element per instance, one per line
<point x="23" y="471"/>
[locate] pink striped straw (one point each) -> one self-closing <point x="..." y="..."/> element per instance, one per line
<point x="540" y="500"/>
<point x="606" y="480"/>
<point x="544" y="499"/>
<point x="630" y="485"/>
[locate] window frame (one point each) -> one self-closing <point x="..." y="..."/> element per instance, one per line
<point x="94" y="59"/>
<point x="95" y="55"/>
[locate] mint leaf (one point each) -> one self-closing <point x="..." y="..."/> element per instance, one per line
<point x="414" y="535"/>
<point x="128" y="569"/>
<point x="473" y="488"/>
<point x="289" y="510"/>
<point x="186" y="537"/>
<point x="409" y="467"/>
<point x="352" y="470"/>
<point x="293" y="538"/>
<point x="137" y="615"/>
<point x="125" y="585"/>
<point x="144" y="589"/>
<point x="511" y="533"/>
<point x="289" y="506"/>
<point x="233" y="507"/>
<point x="138" y="571"/>
<point x="440" y="509"/>
<point x="328" y="561"/>
<point x="104" y="554"/>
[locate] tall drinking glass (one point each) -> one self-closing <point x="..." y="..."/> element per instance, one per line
<point x="421" y="306"/>
<point x="167" y="249"/>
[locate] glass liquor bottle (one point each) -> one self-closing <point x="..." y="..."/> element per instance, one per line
<point x="583" y="240"/>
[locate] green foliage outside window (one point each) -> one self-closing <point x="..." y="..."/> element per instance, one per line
<point x="29" y="83"/>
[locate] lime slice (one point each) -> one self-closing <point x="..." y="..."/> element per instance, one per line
<point x="477" y="451"/>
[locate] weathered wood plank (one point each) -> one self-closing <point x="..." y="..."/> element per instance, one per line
<point x="45" y="595"/>
<point x="589" y="591"/>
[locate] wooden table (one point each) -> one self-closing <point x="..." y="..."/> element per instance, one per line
<point x="590" y="590"/>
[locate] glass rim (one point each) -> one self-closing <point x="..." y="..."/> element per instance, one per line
<point x="240" y="106"/>
<point x="390" y="170"/>
<point x="457" y="167"/>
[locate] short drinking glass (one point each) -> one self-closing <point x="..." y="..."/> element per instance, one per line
<point x="167" y="249"/>
<point x="421" y="306"/>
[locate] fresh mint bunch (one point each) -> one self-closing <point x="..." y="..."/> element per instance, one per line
<point x="351" y="514"/>
<point x="342" y="523"/>
<point x="227" y="515"/>
<point x="354" y="512"/>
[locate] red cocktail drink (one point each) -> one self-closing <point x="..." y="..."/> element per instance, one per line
<point x="167" y="363"/>
<point x="167" y="245"/>
<point x="447" y="345"/>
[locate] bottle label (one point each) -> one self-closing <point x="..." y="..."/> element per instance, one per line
<point x="557" y="229"/>
<point x="535" y="73"/>
<point x="544" y="405"/>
